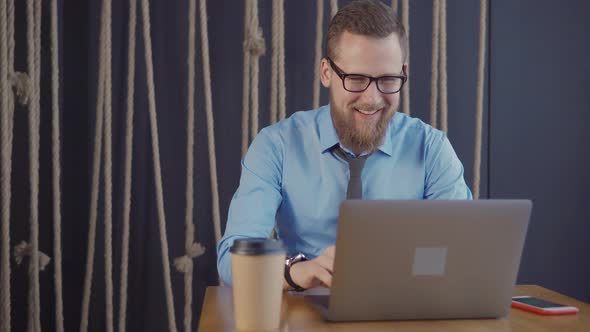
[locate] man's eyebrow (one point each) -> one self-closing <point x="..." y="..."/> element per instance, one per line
<point x="383" y="75"/>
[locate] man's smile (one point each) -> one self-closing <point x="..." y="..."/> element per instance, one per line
<point x="367" y="113"/>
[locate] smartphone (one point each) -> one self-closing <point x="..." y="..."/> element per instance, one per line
<point x="542" y="307"/>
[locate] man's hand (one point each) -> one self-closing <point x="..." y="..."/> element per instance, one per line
<point x="315" y="272"/>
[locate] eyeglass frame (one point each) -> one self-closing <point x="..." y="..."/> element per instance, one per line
<point x="342" y="75"/>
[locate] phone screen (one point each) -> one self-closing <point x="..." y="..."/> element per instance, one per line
<point x="537" y="302"/>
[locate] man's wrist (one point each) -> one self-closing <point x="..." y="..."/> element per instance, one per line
<point x="289" y="262"/>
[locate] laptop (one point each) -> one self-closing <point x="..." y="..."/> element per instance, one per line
<point x="429" y="259"/>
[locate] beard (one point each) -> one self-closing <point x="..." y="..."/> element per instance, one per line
<point x="361" y="135"/>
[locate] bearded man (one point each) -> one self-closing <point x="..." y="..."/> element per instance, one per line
<point x="297" y="172"/>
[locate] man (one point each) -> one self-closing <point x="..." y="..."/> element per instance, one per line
<point x="296" y="172"/>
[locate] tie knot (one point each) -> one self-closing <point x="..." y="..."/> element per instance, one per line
<point x="354" y="164"/>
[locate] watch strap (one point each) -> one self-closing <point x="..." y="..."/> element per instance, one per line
<point x="288" y="278"/>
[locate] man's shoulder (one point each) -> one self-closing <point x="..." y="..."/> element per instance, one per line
<point x="297" y="121"/>
<point x="414" y="127"/>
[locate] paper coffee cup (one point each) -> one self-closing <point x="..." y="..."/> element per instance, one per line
<point x="257" y="277"/>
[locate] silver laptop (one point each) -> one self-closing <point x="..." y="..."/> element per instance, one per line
<point x="398" y="260"/>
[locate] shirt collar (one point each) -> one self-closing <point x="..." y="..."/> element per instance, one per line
<point x="329" y="137"/>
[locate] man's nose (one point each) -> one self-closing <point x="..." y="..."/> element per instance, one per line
<point x="372" y="94"/>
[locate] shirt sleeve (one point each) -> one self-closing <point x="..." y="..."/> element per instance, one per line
<point x="254" y="205"/>
<point x="444" y="171"/>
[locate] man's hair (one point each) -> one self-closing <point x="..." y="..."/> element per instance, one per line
<point x="365" y="17"/>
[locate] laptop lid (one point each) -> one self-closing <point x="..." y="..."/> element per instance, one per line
<point x="427" y="259"/>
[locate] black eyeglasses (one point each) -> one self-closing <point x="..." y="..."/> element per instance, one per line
<point x="388" y="84"/>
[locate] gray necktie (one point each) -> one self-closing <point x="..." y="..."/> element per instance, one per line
<point x="355" y="165"/>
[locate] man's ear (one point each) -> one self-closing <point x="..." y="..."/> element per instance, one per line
<point x="405" y="69"/>
<point x="325" y="73"/>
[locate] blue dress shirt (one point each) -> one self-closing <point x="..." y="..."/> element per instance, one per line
<point x="292" y="180"/>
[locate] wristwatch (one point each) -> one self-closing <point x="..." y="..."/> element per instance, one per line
<point x="288" y="263"/>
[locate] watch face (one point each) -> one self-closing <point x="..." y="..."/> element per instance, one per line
<point x="297" y="258"/>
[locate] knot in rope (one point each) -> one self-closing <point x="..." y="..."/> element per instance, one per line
<point x="254" y="42"/>
<point x="184" y="263"/>
<point x="21" y="82"/>
<point x="24" y="249"/>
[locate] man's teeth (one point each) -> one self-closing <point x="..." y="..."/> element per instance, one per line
<point x="367" y="112"/>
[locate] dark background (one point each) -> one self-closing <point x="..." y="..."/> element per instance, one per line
<point x="534" y="140"/>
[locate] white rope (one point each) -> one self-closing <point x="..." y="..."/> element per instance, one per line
<point x="108" y="174"/>
<point x="145" y="11"/>
<point x="479" y="99"/>
<point x="13" y="77"/>
<point x="33" y="67"/>
<point x="246" y="80"/>
<point x="210" y="127"/>
<point x="128" y="163"/>
<point x="443" y="67"/>
<point x="434" y="64"/>
<point x="255" y="44"/>
<point x="253" y="48"/>
<point x="281" y="59"/>
<point x="255" y="33"/>
<point x="6" y="112"/>
<point x="186" y="260"/>
<point x="274" y="63"/>
<point x="333" y="7"/>
<point x="406" y="89"/>
<point x="394" y="5"/>
<point x="319" y="23"/>
<point x="59" y="316"/>
<point x="97" y="155"/>
<point x="277" y="94"/>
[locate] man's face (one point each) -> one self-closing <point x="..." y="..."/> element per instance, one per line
<point x="361" y="118"/>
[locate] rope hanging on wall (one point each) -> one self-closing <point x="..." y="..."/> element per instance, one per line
<point x="185" y="264"/>
<point x="253" y="48"/>
<point x="96" y="161"/>
<point x="256" y="44"/>
<point x="33" y="67"/>
<point x="210" y="127"/>
<point x="434" y="63"/>
<point x="193" y="249"/>
<point x="108" y="174"/>
<point x="319" y="32"/>
<point x="145" y="12"/>
<point x="246" y="80"/>
<point x="318" y="52"/>
<point x="6" y="136"/>
<point x="277" y="81"/>
<point x="406" y="89"/>
<point x="443" y="81"/>
<point x="333" y="8"/>
<point x="274" y="62"/>
<point x="131" y="43"/>
<point x="56" y="169"/>
<point x="438" y="84"/>
<point x="282" y="86"/>
<point x="479" y="98"/>
<point x="103" y="98"/>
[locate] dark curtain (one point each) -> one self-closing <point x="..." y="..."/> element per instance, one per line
<point x="79" y="31"/>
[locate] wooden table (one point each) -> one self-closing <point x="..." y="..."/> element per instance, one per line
<point x="217" y="316"/>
